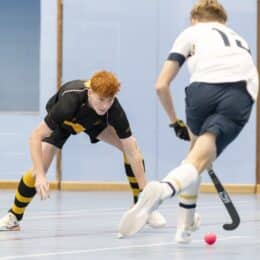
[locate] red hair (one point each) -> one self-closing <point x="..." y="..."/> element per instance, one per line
<point x="105" y="84"/>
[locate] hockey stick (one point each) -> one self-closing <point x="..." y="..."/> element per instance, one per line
<point x="223" y="195"/>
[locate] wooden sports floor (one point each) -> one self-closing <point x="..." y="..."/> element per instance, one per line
<point x="83" y="225"/>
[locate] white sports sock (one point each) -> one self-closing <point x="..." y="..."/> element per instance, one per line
<point x="187" y="203"/>
<point x="182" y="177"/>
<point x="185" y="217"/>
<point x="167" y="191"/>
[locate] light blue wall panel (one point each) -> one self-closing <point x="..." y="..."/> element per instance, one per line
<point x="131" y="39"/>
<point x="171" y="150"/>
<point x="16" y="128"/>
<point x="19" y="52"/>
<point x="133" y="42"/>
<point x="116" y="36"/>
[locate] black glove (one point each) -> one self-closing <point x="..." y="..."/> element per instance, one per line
<point x="181" y="130"/>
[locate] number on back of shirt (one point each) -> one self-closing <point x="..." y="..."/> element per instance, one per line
<point x="226" y="40"/>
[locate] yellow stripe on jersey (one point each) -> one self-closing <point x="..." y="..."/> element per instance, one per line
<point x="87" y="84"/>
<point x="75" y="126"/>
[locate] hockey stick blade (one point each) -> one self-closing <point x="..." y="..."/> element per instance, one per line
<point x="225" y="198"/>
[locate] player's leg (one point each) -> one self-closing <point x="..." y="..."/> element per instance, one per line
<point x="232" y="113"/>
<point x="108" y="135"/>
<point x="179" y="179"/>
<point x="136" y="183"/>
<point x="135" y="187"/>
<point x="188" y="219"/>
<point x="25" y="192"/>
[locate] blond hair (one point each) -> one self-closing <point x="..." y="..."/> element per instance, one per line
<point x="208" y="11"/>
<point x="104" y="83"/>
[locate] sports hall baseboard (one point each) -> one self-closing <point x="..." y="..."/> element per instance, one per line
<point x="121" y="186"/>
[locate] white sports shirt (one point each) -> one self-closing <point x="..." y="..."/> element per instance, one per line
<point x="215" y="54"/>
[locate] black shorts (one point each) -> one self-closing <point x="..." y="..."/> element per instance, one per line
<point x="59" y="136"/>
<point x="222" y="109"/>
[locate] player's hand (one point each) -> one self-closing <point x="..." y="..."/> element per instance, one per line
<point x="42" y="187"/>
<point x="181" y="130"/>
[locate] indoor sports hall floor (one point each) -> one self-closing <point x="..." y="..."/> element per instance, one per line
<point x="83" y="225"/>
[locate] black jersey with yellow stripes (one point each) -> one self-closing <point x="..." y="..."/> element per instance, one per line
<point x="69" y="109"/>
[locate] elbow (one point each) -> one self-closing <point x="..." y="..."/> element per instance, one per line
<point x="160" y="88"/>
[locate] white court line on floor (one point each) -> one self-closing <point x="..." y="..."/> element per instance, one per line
<point x="201" y="205"/>
<point x="108" y="211"/>
<point x="96" y="250"/>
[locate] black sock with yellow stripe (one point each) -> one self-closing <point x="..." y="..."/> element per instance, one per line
<point x="132" y="179"/>
<point x="24" y="194"/>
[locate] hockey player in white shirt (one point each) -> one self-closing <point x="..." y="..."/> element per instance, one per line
<point x="223" y="88"/>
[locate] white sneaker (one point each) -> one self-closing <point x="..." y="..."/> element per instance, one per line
<point x="9" y="223"/>
<point x="184" y="234"/>
<point x="119" y="236"/>
<point x="135" y="218"/>
<point x="156" y="220"/>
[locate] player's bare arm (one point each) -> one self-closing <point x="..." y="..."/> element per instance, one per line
<point x="38" y="134"/>
<point x="168" y="73"/>
<point x="135" y="159"/>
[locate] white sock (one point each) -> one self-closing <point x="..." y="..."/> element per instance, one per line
<point x="187" y="204"/>
<point x="168" y="191"/>
<point x="182" y="177"/>
<point x="185" y="217"/>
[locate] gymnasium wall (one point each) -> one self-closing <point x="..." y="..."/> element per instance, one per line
<point x="20" y="91"/>
<point x="131" y="39"/>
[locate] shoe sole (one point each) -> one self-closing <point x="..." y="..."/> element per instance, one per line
<point x="135" y="219"/>
<point x="155" y="226"/>
<point x="183" y="241"/>
<point x="14" y="228"/>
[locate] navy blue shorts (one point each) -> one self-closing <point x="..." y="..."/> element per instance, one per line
<point x="222" y="109"/>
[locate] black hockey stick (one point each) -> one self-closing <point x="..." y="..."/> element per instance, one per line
<point x="223" y="195"/>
